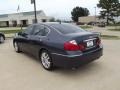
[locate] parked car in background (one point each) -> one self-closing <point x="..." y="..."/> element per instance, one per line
<point x="2" y="38"/>
<point x="80" y="23"/>
<point x="101" y="24"/>
<point x="91" y="23"/>
<point x="61" y="45"/>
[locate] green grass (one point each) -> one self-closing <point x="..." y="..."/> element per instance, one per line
<point x="117" y="29"/>
<point x="110" y="37"/>
<point x="86" y="27"/>
<point x="114" y="25"/>
<point x="10" y="31"/>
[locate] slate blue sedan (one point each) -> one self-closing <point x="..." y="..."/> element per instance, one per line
<point x="59" y="44"/>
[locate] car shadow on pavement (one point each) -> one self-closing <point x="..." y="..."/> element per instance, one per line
<point x="82" y="70"/>
<point x="87" y="69"/>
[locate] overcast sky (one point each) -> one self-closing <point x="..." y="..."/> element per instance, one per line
<point x="57" y="8"/>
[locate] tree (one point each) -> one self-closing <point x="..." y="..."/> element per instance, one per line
<point x="58" y="20"/>
<point x="79" y="12"/>
<point x="110" y="9"/>
<point x="52" y="20"/>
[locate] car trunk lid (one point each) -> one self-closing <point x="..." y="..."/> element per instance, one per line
<point x="88" y="39"/>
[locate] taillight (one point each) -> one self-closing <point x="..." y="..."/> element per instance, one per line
<point x="98" y="41"/>
<point x="73" y="46"/>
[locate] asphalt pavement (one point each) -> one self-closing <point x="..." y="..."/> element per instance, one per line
<point x="19" y="71"/>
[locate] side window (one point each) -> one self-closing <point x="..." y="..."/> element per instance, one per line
<point x="41" y="30"/>
<point x="38" y="29"/>
<point x="46" y="31"/>
<point x="29" y="30"/>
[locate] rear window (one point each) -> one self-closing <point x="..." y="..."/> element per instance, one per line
<point x="67" y="28"/>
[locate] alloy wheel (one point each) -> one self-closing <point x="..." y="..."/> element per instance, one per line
<point x="46" y="60"/>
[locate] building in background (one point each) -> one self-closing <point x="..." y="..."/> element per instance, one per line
<point x="88" y="19"/>
<point x="95" y="19"/>
<point x="23" y="18"/>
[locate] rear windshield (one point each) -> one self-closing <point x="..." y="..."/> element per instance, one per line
<point x="67" y="28"/>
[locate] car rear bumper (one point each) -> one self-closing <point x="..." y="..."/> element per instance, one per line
<point x="68" y="61"/>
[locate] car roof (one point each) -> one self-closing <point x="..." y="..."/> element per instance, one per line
<point x="50" y="23"/>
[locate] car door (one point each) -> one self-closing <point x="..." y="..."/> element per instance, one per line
<point x="25" y="38"/>
<point x="39" y="36"/>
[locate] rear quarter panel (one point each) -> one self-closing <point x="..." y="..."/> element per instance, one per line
<point x="55" y="42"/>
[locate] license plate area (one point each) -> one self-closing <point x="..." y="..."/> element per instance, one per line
<point x="90" y="43"/>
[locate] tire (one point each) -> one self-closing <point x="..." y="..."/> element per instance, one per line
<point x="2" y="39"/>
<point x="16" y="47"/>
<point x="46" y="60"/>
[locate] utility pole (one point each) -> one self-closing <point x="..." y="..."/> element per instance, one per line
<point x="34" y="2"/>
<point x="95" y="14"/>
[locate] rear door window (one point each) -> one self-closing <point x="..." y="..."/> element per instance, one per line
<point x="41" y="30"/>
<point x="29" y="30"/>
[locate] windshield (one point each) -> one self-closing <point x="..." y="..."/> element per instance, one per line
<point x="67" y="28"/>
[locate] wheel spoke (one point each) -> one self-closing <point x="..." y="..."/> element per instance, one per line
<point x="45" y="60"/>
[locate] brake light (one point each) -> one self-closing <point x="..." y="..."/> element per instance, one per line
<point x="73" y="46"/>
<point x="98" y="41"/>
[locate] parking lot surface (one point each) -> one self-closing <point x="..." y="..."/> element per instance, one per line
<point x="106" y="31"/>
<point x="19" y="71"/>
